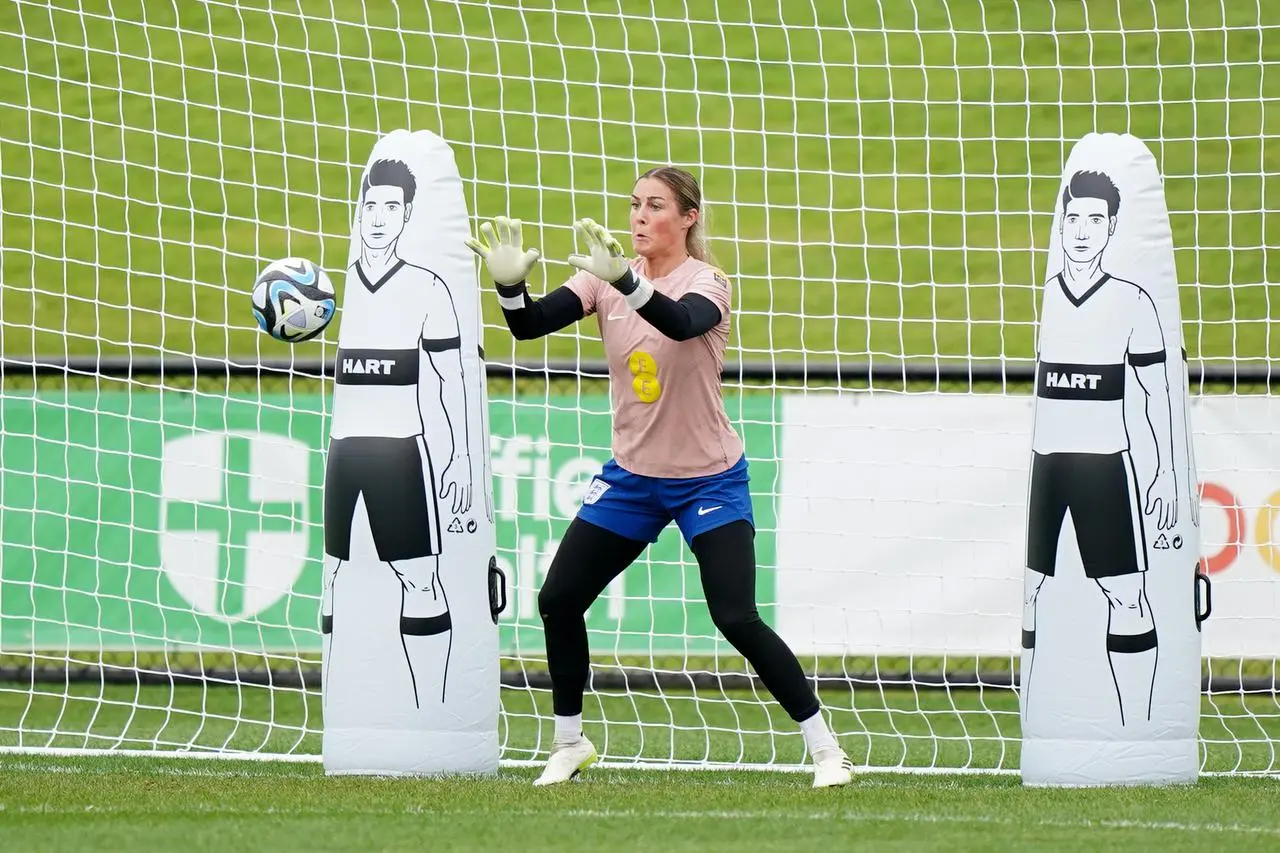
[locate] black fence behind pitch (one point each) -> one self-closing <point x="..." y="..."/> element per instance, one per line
<point x="916" y="374"/>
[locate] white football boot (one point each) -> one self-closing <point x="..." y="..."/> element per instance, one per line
<point x="831" y="767"/>
<point x="567" y="761"/>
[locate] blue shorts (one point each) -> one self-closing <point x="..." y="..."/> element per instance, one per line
<point x="639" y="507"/>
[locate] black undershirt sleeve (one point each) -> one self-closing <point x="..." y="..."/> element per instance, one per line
<point x="691" y="316"/>
<point x="553" y="312"/>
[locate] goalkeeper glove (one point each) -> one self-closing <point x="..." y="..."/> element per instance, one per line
<point x="606" y="262"/>
<point x="503" y="252"/>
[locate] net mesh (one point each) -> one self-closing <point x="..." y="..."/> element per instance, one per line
<point x="878" y="178"/>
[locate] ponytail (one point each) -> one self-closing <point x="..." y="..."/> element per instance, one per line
<point x="695" y="240"/>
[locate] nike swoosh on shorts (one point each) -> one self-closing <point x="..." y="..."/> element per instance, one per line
<point x="703" y="510"/>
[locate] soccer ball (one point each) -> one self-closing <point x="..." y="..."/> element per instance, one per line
<point x="293" y="300"/>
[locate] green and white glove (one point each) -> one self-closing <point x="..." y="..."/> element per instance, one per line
<point x="503" y="252"/>
<point x="606" y="262"/>
<point x="605" y="259"/>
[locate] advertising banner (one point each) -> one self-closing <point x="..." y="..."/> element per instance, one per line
<point x="177" y="520"/>
<point x="180" y="520"/>
<point x="902" y="523"/>
<point x="154" y="521"/>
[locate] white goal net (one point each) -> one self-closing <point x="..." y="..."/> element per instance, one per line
<point x="879" y="178"/>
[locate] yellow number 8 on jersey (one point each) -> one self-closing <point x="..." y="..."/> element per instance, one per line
<point x="645" y="371"/>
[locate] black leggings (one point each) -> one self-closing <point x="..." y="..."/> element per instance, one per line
<point x="590" y="557"/>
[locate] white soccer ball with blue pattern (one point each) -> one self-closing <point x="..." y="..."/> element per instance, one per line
<point x="293" y="300"/>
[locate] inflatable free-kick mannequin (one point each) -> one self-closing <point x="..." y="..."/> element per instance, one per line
<point x="410" y="672"/>
<point x="1110" y="677"/>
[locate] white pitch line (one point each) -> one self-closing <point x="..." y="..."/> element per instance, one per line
<point x="929" y="817"/>
<point x="635" y="814"/>
<point x="198" y="770"/>
<point x="185" y="755"/>
<point x="621" y="773"/>
<point x="641" y="766"/>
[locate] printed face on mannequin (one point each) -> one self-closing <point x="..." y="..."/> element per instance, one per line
<point x="383" y="214"/>
<point x="1086" y="229"/>
<point x="658" y="228"/>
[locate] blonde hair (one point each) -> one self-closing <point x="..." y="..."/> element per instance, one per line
<point x="688" y="195"/>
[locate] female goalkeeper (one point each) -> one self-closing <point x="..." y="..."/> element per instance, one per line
<point x="664" y="320"/>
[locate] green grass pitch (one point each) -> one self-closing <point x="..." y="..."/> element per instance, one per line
<point x="879" y="174"/>
<point x="879" y="177"/>
<point x="147" y="803"/>
<point x="150" y="804"/>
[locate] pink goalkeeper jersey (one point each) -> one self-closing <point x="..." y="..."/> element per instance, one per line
<point x="668" y="410"/>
